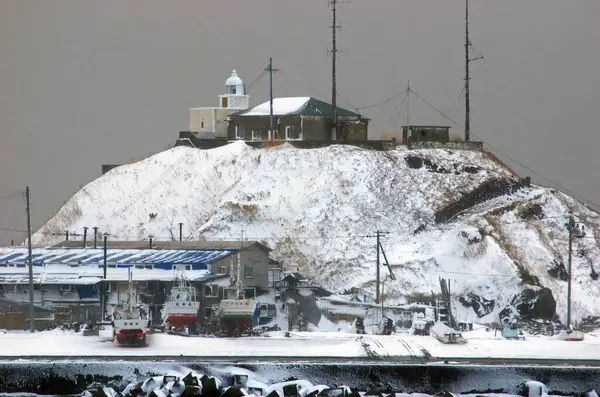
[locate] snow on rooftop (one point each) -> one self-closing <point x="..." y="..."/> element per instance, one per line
<point x="314" y="207"/>
<point x="125" y="256"/>
<point x="91" y="274"/>
<point x="281" y="107"/>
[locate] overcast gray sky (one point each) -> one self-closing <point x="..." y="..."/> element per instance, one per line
<point x="89" y="82"/>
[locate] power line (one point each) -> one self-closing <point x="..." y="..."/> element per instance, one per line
<point x="312" y="90"/>
<point x="556" y="184"/>
<point x="390" y="232"/>
<point x="256" y="79"/>
<point x="397" y="113"/>
<point x="295" y="80"/>
<point x="15" y="195"/>
<point x="14" y="230"/>
<point x="384" y="101"/>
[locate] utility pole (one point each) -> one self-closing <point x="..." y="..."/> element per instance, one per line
<point x="30" y="254"/>
<point x="467" y="78"/>
<point x="103" y="298"/>
<point x="378" y="235"/>
<point x="574" y="231"/>
<point x="180" y="231"/>
<point x="270" y="70"/>
<point x="334" y="50"/>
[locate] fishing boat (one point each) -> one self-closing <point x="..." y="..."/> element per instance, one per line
<point x="181" y="308"/>
<point x="130" y="325"/>
<point x="236" y="314"/>
<point x="447" y="335"/>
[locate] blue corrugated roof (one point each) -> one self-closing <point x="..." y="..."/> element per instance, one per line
<point x="119" y="256"/>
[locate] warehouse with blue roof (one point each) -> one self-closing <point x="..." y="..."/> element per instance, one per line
<point x="72" y="273"/>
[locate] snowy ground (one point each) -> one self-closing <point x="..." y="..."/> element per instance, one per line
<point x="481" y="345"/>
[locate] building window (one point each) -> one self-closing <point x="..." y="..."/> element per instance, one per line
<point x="211" y="291"/>
<point x="223" y="269"/>
<point x="248" y="271"/>
<point x="290" y="133"/>
<point x="263" y="311"/>
<point x="208" y="312"/>
<point x="202" y="124"/>
<point x="239" y="132"/>
<point x="255" y="135"/>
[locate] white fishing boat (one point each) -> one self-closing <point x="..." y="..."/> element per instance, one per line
<point x="445" y="334"/>
<point x="181" y="308"/>
<point x="237" y="314"/>
<point x="130" y="324"/>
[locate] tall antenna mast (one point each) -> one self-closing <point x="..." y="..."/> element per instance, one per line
<point x="467" y="78"/>
<point x="270" y="70"/>
<point x="334" y="27"/>
<point x="408" y="109"/>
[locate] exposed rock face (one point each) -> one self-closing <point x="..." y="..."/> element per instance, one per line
<point x="486" y="191"/>
<point x="558" y="270"/>
<point x="481" y="306"/>
<point x="531" y="304"/>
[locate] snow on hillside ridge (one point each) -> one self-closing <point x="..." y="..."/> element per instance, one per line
<point x="317" y="207"/>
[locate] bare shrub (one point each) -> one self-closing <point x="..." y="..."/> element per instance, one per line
<point x="64" y="218"/>
<point x="244" y="210"/>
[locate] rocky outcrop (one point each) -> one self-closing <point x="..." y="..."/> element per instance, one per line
<point x="530" y="304"/>
<point x="486" y="191"/>
<point x="481" y="306"/>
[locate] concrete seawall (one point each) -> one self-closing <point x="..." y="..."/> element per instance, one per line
<point x="74" y="375"/>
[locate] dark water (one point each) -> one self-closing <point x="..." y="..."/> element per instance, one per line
<point x="72" y="377"/>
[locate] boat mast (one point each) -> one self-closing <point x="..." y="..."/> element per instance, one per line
<point x="130" y="277"/>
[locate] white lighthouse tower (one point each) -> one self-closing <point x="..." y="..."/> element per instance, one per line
<point x="211" y="122"/>
<point x="235" y="93"/>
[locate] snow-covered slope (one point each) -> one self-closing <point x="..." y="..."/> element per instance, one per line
<point x="454" y="214"/>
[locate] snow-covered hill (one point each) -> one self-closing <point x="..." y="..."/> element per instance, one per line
<point x="454" y="214"/>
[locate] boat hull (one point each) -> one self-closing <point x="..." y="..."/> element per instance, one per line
<point x="180" y="320"/>
<point x="237" y="316"/>
<point x="180" y="315"/>
<point x="130" y="331"/>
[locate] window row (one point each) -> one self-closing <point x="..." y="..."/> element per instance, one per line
<point x="291" y="134"/>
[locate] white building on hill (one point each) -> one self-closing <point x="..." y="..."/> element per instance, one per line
<point x="211" y="122"/>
